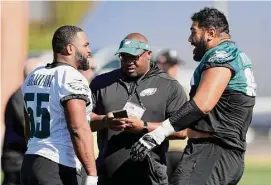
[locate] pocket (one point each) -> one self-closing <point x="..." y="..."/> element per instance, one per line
<point x="158" y="171"/>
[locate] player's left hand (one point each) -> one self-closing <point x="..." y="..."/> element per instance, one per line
<point x="141" y="148"/>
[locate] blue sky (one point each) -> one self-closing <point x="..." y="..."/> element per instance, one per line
<point x="166" y="24"/>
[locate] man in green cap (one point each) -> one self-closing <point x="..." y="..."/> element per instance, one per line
<point x="147" y="94"/>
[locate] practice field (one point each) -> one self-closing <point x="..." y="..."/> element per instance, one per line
<point x="257" y="171"/>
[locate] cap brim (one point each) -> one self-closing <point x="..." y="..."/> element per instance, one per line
<point x="131" y="51"/>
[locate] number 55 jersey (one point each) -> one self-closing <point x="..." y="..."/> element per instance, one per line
<point x="45" y="91"/>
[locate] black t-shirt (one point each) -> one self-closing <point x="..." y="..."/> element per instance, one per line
<point x="230" y="118"/>
<point x="160" y="95"/>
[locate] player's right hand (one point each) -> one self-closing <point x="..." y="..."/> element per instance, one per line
<point x="141" y="148"/>
<point x="91" y="180"/>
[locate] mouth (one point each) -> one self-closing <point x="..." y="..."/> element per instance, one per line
<point x="193" y="45"/>
<point x="194" y="50"/>
<point x="130" y="69"/>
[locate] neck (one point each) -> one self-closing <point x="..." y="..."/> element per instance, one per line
<point x="223" y="39"/>
<point x="66" y="60"/>
<point x="219" y="40"/>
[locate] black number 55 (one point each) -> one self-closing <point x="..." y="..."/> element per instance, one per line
<point x="38" y="130"/>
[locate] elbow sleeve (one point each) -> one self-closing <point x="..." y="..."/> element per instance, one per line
<point x="187" y="115"/>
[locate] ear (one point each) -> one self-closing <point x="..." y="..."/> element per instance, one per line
<point x="69" y="49"/>
<point x="149" y="55"/>
<point x="211" y="33"/>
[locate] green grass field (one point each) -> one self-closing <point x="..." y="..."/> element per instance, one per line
<point x="256" y="174"/>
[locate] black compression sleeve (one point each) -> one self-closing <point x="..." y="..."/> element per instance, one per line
<point x="188" y="114"/>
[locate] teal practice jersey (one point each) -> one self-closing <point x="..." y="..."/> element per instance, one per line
<point x="229" y="120"/>
<point x="228" y="55"/>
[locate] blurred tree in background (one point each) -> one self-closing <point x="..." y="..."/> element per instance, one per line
<point x="61" y="13"/>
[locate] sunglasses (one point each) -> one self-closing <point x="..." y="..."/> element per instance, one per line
<point x="127" y="57"/>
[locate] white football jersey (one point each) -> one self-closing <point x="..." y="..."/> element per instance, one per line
<point x="44" y="90"/>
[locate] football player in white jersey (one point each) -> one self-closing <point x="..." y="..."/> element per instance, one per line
<point x="58" y="102"/>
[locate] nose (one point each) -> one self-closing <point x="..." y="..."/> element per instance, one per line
<point x="89" y="50"/>
<point x="189" y="39"/>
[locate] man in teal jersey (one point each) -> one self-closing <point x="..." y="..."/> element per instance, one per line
<point x="219" y="111"/>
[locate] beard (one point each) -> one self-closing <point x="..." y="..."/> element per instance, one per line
<point x="200" y="49"/>
<point x="83" y="61"/>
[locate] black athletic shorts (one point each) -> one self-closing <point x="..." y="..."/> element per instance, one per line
<point x="148" y="172"/>
<point x="206" y="161"/>
<point x="38" y="170"/>
<point x="173" y="159"/>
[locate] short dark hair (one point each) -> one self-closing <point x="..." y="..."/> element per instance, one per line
<point x="211" y="17"/>
<point x="64" y="36"/>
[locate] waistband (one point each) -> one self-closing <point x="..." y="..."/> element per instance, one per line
<point x="213" y="140"/>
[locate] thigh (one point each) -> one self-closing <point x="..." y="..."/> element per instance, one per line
<point x="27" y="173"/>
<point x="209" y="164"/>
<point x="42" y="171"/>
<point x="196" y="164"/>
<point x="173" y="159"/>
<point x="228" y="170"/>
<point x="181" y="175"/>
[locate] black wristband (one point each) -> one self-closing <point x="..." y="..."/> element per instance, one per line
<point x="145" y="129"/>
<point x="188" y="114"/>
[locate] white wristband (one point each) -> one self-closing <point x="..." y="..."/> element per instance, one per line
<point x="91" y="180"/>
<point x="163" y="131"/>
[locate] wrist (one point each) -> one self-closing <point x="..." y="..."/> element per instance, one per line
<point x="104" y="120"/>
<point x="163" y="131"/>
<point x="91" y="179"/>
<point x="144" y="128"/>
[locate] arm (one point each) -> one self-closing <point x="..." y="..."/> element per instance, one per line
<point x="81" y="134"/>
<point x="136" y="126"/>
<point x="213" y="83"/>
<point x="98" y="122"/>
<point x="178" y="135"/>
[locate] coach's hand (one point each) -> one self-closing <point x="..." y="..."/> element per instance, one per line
<point x="133" y="124"/>
<point x="114" y="123"/>
<point x="91" y="180"/>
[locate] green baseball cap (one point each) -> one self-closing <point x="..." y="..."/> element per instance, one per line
<point x="133" y="47"/>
